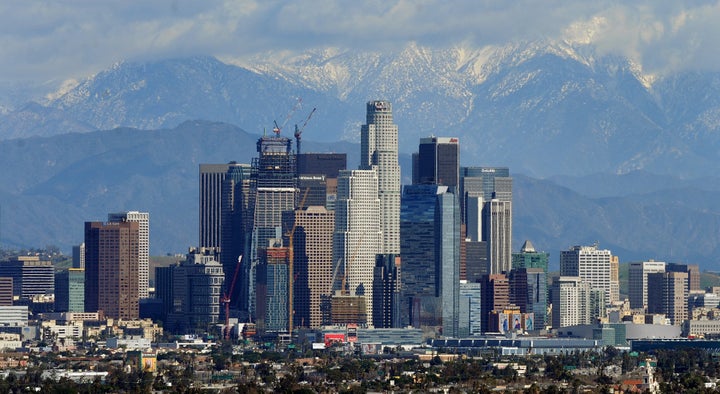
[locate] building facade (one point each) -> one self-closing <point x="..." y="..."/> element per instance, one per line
<point x="379" y="151"/>
<point x="111" y="268"/>
<point x="358" y="234"/>
<point x="143" y="220"/>
<point x="570" y="302"/>
<point x="437" y="162"/>
<point x="668" y="294"/>
<point x="313" y="261"/>
<point x="590" y="263"/>
<point x="638" y="281"/>
<point x="70" y="290"/>
<point x="30" y="276"/>
<point x="211" y="178"/>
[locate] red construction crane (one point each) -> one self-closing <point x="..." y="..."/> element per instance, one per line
<point x="225" y="299"/>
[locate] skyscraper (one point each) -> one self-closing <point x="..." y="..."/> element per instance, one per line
<point x="313" y="263"/>
<point x="570" y="301"/>
<point x="528" y="290"/>
<point x="496" y="296"/>
<point x="379" y="151"/>
<point x="273" y="190"/>
<point x="528" y="257"/>
<point x="438" y="162"/>
<point x="358" y="233"/>
<point x="447" y="260"/>
<point x="143" y="220"/>
<point x="385" y="290"/>
<point x="638" y="281"/>
<point x="590" y="263"/>
<point x="668" y="294"/>
<point x="111" y="268"/>
<point x="210" y="199"/>
<point x="486" y="206"/>
<point x="70" y="290"/>
<point x="235" y="227"/>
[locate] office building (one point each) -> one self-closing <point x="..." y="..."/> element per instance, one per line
<point x="693" y="271"/>
<point x="447" y="259"/>
<point x="528" y="290"/>
<point x="590" y="263"/>
<point x="358" y="234"/>
<point x="438" y="162"/>
<point x="386" y="300"/>
<point x="430" y="250"/>
<point x="273" y="311"/>
<point x="6" y="291"/>
<point x="328" y="164"/>
<point x="235" y="228"/>
<point x="638" y="281"/>
<point x="70" y="290"/>
<point x="143" y="220"/>
<point x="191" y="291"/>
<point x="570" y="302"/>
<point x="485" y="182"/>
<point x="111" y="268"/>
<point x="78" y="256"/>
<point x="273" y="191"/>
<point x="312" y="261"/>
<point x="30" y="276"/>
<point x="668" y="294"/>
<point x="470" y="317"/>
<point x="317" y="175"/>
<point x="497" y="230"/>
<point x="528" y="257"/>
<point x="211" y="178"/>
<point x="496" y="297"/>
<point x="379" y="152"/>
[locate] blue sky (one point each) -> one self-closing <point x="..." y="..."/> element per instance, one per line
<point x="53" y="41"/>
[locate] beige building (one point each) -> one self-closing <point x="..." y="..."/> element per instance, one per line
<point x="668" y="294"/>
<point x="312" y="265"/>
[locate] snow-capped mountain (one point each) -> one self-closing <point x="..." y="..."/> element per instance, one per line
<point x="541" y="108"/>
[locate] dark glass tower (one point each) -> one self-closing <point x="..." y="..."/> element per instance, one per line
<point x="273" y="190"/>
<point x="438" y="162"/>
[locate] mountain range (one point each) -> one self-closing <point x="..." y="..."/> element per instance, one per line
<point x="598" y="151"/>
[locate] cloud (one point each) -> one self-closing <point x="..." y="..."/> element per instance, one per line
<point x="72" y="39"/>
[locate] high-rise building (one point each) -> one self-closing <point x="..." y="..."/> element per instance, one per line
<point x="143" y="219"/>
<point x="528" y="290"/>
<point x="272" y="294"/>
<point x="590" y="263"/>
<point x="273" y="190"/>
<point x="693" y="271"/>
<point x="638" y="281"/>
<point x="312" y="261"/>
<point x="497" y="230"/>
<point x="496" y="296"/>
<point x="447" y="260"/>
<point x="528" y="257"/>
<point x="358" y="234"/>
<point x="430" y="249"/>
<point x="235" y="228"/>
<point x="317" y="176"/>
<point x="190" y="291"/>
<point x="379" y="151"/>
<point x="6" y="291"/>
<point x="486" y="206"/>
<point x="570" y="301"/>
<point x="70" y="290"/>
<point x="385" y="292"/>
<point x="438" y="162"/>
<point x="78" y="256"/>
<point x="470" y="319"/>
<point x="668" y="294"/>
<point x="614" y="279"/>
<point x="210" y="200"/>
<point x="30" y="276"/>
<point x="111" y="268"/>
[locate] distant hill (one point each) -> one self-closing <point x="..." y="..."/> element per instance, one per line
<point x="49" y="186"/>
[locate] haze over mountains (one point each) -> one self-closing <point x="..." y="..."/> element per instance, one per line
<point x="621" y="161"/>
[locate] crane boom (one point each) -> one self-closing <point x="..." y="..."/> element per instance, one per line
<point x="225" y="299"/>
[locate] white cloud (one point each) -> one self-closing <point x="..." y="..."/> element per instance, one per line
<point x="71" y="39"/>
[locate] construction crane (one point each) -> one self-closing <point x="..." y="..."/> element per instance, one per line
<point x="291" y="262"/>
<point x="298" y="131"/>
<point x="277" y="128"/>
<point x="225" y="299"/>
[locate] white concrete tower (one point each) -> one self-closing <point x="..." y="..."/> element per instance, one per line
<point x="379" y="151"/>
<point x="358" y="235"/>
